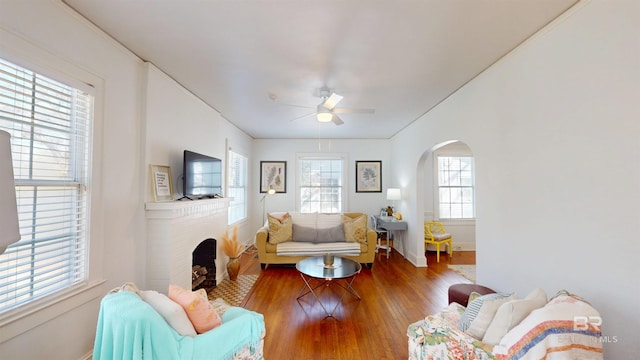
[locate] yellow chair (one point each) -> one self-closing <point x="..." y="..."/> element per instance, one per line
<point x="435" y="233"/>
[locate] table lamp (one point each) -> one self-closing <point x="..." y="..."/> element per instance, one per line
<point x="393" y="194"/>
<point x="8" y="207"/>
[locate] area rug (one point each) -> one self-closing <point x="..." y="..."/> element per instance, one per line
<point x="233" y="292"/>
<point x="468" y="271"/>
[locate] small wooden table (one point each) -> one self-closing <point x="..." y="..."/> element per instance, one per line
<point x="343" y="270"/>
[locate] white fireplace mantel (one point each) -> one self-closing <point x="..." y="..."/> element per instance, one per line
<point x="174" y="229"/>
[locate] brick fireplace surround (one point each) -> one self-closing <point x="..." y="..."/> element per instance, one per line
<point x="174" y="229"/>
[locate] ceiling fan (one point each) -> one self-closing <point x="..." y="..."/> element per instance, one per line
<point x="327" y="111"/>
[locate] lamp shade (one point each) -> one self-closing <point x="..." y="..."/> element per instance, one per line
<point x="324" y="114"/>
<point x="9" y="229"/>
<point x="393" y="194"/>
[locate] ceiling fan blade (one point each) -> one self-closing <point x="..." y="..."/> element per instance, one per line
<point x="332" y="101"/>
<point x="336" y="120"/>
<point x="302" y="116"/>
<point x="353" y="111"/>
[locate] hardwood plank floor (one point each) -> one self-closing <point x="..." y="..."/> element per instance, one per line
<point x="393" y="293"/>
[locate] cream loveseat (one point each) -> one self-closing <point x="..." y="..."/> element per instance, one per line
<point x="289" y="237"/>
<point x="502" y="326"/>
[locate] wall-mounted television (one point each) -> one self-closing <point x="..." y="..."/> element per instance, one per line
<point x="202" y="176"/>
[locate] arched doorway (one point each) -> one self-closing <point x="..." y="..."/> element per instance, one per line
<point x="446" y="193"/>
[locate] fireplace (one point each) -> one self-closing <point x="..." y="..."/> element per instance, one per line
<point x="174" y="230"/>
<point x="203" y="270"/>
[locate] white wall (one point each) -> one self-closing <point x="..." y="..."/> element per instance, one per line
<point x="554" y="130"/>
<point x="286" y="150"/>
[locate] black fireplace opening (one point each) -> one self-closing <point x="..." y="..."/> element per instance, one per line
<point x="203" y="270"/>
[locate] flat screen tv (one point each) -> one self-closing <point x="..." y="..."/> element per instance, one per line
<point x="202" y="176"/>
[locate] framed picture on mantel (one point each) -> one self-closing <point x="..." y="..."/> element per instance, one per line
<point x="161" y="183"/>
<point x="369" y="176"/>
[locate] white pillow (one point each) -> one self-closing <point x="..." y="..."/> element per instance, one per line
<point x="489" y="304"/>
<point x="170" y="311"/>
<point x="326" y="221"/>
<point x="306" y="220"/>
<point x="511" y="314"/>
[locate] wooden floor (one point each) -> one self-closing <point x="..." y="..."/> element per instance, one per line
<point x="393" y="293"/>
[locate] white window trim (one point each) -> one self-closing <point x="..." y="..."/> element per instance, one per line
<point x="436" y="189"/>
<point x="246" y="195"/>
<point x="24" y="318"/>
<point x="346" y="185"/>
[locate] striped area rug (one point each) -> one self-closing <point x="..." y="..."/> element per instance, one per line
<point x="233" y="292"/>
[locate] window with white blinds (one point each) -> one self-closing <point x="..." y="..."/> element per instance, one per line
<point x="49" y="123"/>
<point x="321" y="184"/>
<point x="237" y="187"/>
<point x="456" y="187"/>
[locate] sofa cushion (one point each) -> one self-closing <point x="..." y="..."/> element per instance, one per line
<point x="355" y="229"/>
<point x="170" y="311"/>
<point x="554" y="326"/>
<point x="280" y="228"/>
<point x="480" y="312"/>
<point x="197" y="306"/>
<point x="511" y="313"/>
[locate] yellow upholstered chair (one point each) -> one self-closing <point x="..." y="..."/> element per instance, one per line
<point x="435" y="233"/>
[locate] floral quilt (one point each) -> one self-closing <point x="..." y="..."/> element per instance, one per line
<point x="437" y="337"/>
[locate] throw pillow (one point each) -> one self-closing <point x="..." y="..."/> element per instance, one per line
<point x="332" y="234"/>
<point x="304" y="233"/>
<point x="305" y="219"/>
<point x="474" y="295"/>
<point x="325" y="221"/>
<point x="480" y="311"/>
<point x="553" y="329"/>
<point x="355" y="229"/>
<point x="198" y="308"/>
<point x="280" y="228"/>
<point x="511" y="314"/>
<point x="170" y="311"/>
<point x="220" y="306"/>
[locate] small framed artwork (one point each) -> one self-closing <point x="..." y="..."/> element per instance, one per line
<point x="161" y="183"/>
<point x="368" y="176"/>
<point x="273" y="175"/>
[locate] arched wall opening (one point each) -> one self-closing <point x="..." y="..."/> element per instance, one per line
<point x="462" y="230"/>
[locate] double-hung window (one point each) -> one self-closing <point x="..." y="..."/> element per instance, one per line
<point x="50" y="124"/>
<point x="456" y="187"/>
<point x="321" y="183"/>
<point x="237" y="187"/>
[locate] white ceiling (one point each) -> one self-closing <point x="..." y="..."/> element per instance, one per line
<point x="251" y="59"/>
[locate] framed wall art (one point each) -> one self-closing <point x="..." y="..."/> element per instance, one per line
<point x="161" y="183"/>
<point x="273" y="174"/>
<point x="368" y="176"/>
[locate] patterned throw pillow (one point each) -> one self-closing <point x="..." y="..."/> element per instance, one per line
<point x="355" y="229"/>
<point x="197" y="306"/>
<point x="280" y="228"/>
<point x="479" y="313"/>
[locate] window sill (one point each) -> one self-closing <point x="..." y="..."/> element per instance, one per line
<point x="29" y="316"/>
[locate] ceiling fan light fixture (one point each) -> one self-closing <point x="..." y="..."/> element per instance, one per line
<point x="324" y="115"/>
